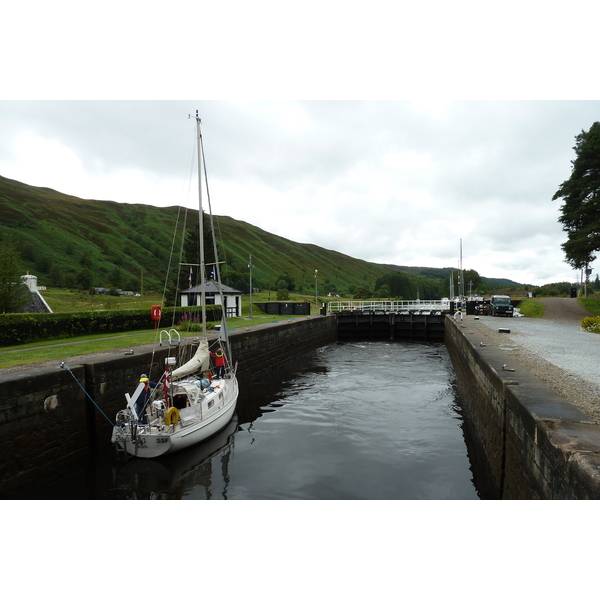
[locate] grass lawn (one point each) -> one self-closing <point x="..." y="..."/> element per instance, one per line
<point x="592" y="303"/>
<point x="532" y="309"/>
<point x="61" y="350"/>
<point x="63" y="300"/>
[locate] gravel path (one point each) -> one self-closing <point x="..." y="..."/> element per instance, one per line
<point x="555" y="350"/>
<point x="564" y="310"/>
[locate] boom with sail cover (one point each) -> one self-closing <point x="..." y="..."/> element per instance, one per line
<point x="198" y="363"/>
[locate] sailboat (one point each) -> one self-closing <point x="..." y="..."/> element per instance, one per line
<point x="191" y="402"/>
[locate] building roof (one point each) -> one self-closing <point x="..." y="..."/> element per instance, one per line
<point x="211" y="288"/>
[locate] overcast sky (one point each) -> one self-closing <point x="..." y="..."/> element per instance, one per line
<point x="399" y="181"/>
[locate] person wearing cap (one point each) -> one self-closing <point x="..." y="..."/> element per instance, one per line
<point x="140" y="403"/>
<point x="220" y="360"/>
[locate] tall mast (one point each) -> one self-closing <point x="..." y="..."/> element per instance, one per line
<point x="200" y="225"/>
<point x="461" y="290"/>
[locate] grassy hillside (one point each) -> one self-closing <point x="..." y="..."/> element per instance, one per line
<point x="59" y="235"/>
<point x="62" y="239"/>
<point x="274" y="256"/>
<point x="69" y="242"/>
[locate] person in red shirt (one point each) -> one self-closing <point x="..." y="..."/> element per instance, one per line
<point x="220" y="361"/>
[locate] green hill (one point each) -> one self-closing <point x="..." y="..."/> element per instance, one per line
<point x="444" y="272"/>
<point x="274" y="257"/>
<point x="58" y="236"/>
<point x="75" y="243"/>
<point x="63" y="239"/>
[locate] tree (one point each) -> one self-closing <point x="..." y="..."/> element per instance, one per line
<point x="14" y="295"/>
<point x="85" y="260"/>
<point x="85" y="278"/>
<point x="398" y="284"/>
<point x="383" y="292"/>
<point x="471" y="277"/>
<point x="55" y="275"/>
<point x="115" y="277"/>
<point x="581" y="200"/>
<point x="133" y="284"/>
<point x="361" y="293"/>
<point x="43" y="263"/>
<point x="286" y="281"/>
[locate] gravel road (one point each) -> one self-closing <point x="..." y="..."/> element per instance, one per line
<point x="564" y="310"/>
<point x="555" y="350"/>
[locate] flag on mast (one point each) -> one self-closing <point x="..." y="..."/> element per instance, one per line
<point x="190" y="278"/>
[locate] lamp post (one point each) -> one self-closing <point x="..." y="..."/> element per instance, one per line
<point x="250" y="265"/>
<point x="316" y="291"/>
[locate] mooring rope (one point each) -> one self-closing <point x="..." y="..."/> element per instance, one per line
<point x="63" y="366"/>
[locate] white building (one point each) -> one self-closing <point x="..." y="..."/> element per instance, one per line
<point x="37" y="304"/>
<point x="233" y="298"/>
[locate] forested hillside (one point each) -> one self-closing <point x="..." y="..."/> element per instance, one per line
<point x="76" y="243"/>
<point x="68" y="241"/>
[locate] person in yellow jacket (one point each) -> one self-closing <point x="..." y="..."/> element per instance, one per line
<point x="142" y="401"/>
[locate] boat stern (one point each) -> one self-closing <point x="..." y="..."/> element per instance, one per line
<point x="142" y="445"/>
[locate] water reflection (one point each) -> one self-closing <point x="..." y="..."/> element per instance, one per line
<point x="359" y="421"/>
<point x="200" y="472"/>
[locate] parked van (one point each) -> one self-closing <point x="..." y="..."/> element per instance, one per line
<point x="501" y="305"/>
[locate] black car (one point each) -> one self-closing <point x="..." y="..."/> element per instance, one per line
<point x="501" y="305"/>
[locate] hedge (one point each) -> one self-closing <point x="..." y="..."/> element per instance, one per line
<point x="25" y="328"/>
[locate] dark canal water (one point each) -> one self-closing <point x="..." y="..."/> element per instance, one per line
<point x="372" y="420"/>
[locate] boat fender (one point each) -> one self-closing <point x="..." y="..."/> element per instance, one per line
<point x="204" y="384"/>
<point x="172" y="416"/>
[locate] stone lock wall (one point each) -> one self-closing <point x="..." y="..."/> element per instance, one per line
<point x="46" y="417"/>
<point x="36" y="410"/>
<point x="268" y="348"/>
<point x="527" y="440"/>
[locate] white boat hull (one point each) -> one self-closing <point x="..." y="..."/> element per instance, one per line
<point x="156" y="439"/>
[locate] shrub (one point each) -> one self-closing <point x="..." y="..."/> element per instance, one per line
<point x="190" y="322"/>
<point x="591" y="324"/>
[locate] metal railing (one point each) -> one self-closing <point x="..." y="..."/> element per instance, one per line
<point x="389" y="306"/>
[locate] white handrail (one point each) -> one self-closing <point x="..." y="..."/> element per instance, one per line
<point x="388" y="306"/>
<point x="168" y="334"/>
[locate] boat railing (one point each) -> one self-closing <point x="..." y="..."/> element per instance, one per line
<point x="389" y="306"/>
